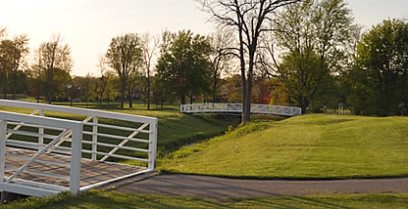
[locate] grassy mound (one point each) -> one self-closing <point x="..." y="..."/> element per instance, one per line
<point x="305" y="147"/>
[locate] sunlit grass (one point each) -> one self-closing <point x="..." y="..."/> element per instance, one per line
<point x="100" y="199"/>
<point x="312" y="146"/>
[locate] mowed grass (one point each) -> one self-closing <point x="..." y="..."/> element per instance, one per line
<point x="101" y="199"/>
<point x="175" y="129"/>
<point x="305" y="147"/>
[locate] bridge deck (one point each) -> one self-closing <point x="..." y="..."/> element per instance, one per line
<point x="92" y="172"/>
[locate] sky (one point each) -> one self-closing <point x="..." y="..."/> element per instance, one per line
<point x="87" y="26"/>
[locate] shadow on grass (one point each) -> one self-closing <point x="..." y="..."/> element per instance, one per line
<point x="280" y="178"/>
<point x="102" y="199"/>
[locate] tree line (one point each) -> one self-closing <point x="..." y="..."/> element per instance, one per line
<point x="308" y="53"/>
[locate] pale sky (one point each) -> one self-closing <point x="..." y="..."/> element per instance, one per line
<point x="88" y="25"/>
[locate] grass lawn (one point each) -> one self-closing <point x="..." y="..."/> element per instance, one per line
<point x="304" y="147"/>
<point x="175" y="129"/>
<point x="101" y="199"/>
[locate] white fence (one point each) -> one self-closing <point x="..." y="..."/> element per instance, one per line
<point x="94" y="135"/>
<point x="237" y="108"/>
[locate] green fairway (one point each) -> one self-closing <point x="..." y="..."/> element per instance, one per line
<point x="311" y="146"/>
<point x="100" y="199"/>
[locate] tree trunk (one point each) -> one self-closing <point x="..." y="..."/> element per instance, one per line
<point x="243" y="99"/>
<point x="5" y="85"/>
<point x="5" y="92"/>
<point x="148" y="89"/>
<point x="130" y="97"/>
<point x="248" y="99"/>
<point x="304" y="105"/>
<point x="122" y="95"/>
<point x="48" y="86"/>
<point x="14" y="86"/>
<point x="215" y="90"/>
<point x="183" y="99"/>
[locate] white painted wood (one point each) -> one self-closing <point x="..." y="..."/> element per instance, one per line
<point x="152" y="146"/>
<point x="27" y="190"/>
<point x="72" y="132"/>
<point x="41" y="132"/>
<point x="3" y="133"/>
<point x="125" y="140"/>
<point x="76" y="155"/>
<point x="94" y="138"/>
<point x="237" y="108"/>
<point x="78" y="111"/>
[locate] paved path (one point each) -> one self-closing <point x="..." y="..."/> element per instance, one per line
<point x="224" y="189"/>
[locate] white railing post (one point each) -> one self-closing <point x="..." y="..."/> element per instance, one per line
<point x="76" y="155"/>
<point x="95" y="138"/>
<point x="152" y="145"/>
<point x="41" y="132"/>
<point x="3" y="138"/>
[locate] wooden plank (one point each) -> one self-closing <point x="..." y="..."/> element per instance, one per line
<point x="92" y="172"/>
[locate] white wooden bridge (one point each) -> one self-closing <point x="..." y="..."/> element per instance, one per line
<point x="237" y="108"/>
<point x="42" y="154"/>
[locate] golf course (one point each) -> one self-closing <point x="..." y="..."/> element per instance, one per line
<point x="308" y="147"/>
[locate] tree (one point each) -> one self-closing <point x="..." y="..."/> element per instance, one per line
<point x="149" y="45"/>
<point x="315" y="38"/>
<point x="87" y="87"/>
<point x="11" y="53"/>
<point x="36" y="77"/>
<point x="184" y="65"/>
<point x="379" y="80"/>
<point x="3" y="68"/>
<point x="103" y="81"/>
<point x="54" y="57"/>
<point x="221" y="42"/>
<point x="125" y="55"/>
<point x="249" y="19"/>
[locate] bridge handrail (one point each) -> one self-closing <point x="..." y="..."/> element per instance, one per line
<point x="237" y="108"/>
<point x="75" y="110"/>
<point x="7" y="184"/>
<point x="140" y="139"/>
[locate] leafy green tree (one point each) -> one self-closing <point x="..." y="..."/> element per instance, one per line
<point x="61" y="79"/>
<point x="379" y="80"/>
<point x="184" y="65"/>
<point x="125" y="56"/>
<point x="12" y="52"/>
<point x="316" y="38"/>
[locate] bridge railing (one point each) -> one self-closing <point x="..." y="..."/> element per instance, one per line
<point x="237" y="108"/>
<point x="106" y="136"/>
<point x="14" y="127"/>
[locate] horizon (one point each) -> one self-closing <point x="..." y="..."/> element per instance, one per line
<point x="88" y="26"/>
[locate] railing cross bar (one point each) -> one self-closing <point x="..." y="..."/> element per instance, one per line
<point x="124" y="141"/>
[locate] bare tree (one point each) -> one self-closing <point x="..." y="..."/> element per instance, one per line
<point x="221" y="42"/>
<point x="53" y="55"/>
<point x="249" y="19"/>
<point x="125" y="56"/>
<point x="150" y="46"/>
<point x="104" y="79"/>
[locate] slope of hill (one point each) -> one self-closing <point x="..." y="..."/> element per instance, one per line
<point x="311" y="146"/>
